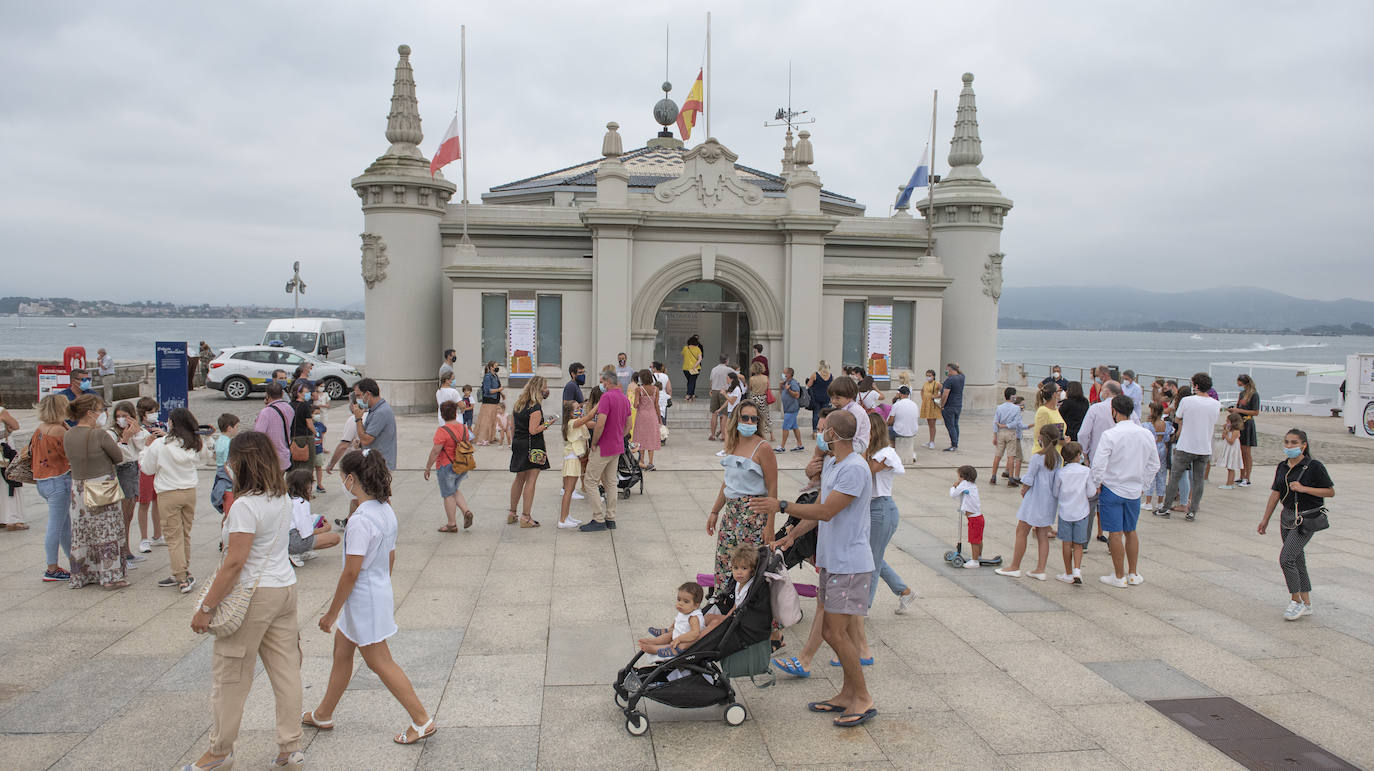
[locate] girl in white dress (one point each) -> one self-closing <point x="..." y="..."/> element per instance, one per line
<point x="1227" y="453"/>
<point x="364" y="605"/>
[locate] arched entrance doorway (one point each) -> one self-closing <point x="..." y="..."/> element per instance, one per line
<point x="712" y="312"/>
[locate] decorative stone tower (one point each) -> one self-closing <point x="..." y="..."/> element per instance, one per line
<point x="403" y="255"/>
<point x="967" y="224"/>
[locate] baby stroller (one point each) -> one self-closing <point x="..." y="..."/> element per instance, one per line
<point x="627" y="473"/>
<point x="700" y="676"/>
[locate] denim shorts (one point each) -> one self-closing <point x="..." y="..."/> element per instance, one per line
<point x="789" y="421"/>
<point x="449" y="481"/>
<point x="297" y="545"/>
<point x="1118" y="514"/>
<point x="127" y="474"/>
<point x="1074" y="532"/>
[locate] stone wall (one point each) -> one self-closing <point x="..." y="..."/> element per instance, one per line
<point x="19" y="381"/>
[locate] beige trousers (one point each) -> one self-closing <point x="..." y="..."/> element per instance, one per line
<point x="602" y="470"/>
<point x="269" y="632"/>
<point x="178" y="509"/>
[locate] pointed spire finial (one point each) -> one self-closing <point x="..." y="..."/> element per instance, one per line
<point x="966" y="148"/>
<point x="789" y="153"/>
<point x="403" y="122"/>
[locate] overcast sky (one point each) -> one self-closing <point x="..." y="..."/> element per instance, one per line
<point x="189" y="152"/>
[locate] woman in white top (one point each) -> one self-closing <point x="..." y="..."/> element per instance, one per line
<point x="446" y="393"/>
<point x="734" y="392"/>
<point x="869" y="395"/>
<point x="364" y="604"/>
<point x="11" y="494"/>
<point x="665" y="390"/>
<point x="255" y="541"/>
<point x="172" y="461"/>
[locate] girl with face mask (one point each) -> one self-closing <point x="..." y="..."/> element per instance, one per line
<point x="751" y="469"/>
<point x="1301" y="485"/>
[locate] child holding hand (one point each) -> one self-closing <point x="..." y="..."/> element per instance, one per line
<point x="1073" y="487"/>
<point x="1038" y="503"/>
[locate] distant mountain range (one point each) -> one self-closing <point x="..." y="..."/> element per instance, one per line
<point x="1238" y="308"/>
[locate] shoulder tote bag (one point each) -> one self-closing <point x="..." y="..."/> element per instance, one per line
<point x="233" y="609"/>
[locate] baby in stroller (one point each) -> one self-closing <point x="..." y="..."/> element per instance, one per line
<point x="687" y="626"/>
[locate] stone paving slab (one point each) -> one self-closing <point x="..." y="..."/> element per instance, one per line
<point x="511" y="637"/>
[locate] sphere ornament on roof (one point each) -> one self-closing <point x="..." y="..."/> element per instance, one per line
<point x="665" y="111"/>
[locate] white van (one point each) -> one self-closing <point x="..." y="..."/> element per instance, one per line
<point x="323" y="338"/>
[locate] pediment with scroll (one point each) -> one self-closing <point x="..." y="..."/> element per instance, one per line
<point x="708" y="181"/>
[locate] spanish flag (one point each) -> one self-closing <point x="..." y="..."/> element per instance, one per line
<point x="691" y="109"/>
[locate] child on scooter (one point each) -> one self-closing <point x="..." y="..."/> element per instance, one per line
<point x="970" y="507"/>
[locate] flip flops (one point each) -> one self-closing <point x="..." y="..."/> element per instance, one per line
<point x="792" y="667"/>
<point x="868" y="662"/>
<point x="825" y="706"/>
<point x="852" y="719"/>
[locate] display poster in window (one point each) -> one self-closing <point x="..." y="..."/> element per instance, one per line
<point x="170" y="362"/>
<point x="521" y="323"/>
<point x="879" y="341"/>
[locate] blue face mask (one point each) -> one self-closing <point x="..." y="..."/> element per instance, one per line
<point x="1293" y="452"/>
<point x="86" y="384"/>
<point x="748" y="429"/>
<point x="821" y="444"/>
<point x="582" y="379"/>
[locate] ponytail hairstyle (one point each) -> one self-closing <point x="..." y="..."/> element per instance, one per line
<point x="371" y="471"/>
<point x="1050" y="439"/>
<point x="1156" y="411"/>
<point x="1045" y="394"/>
<point x="1302" y="437"/>
<point x="877" y="435"/>
<point x="182" y="426"/>
<point x="568" y="407"/>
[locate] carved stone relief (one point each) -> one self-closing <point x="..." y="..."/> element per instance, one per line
<point x="992" y="276"/>
<point x="375" y="261"/>
<point x="709" y="170"/>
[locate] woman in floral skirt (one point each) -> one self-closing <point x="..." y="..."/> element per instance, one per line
<point x="751" y="470"/>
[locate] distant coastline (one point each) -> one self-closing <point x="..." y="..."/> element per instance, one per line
<point x="66" y="307"/>
<point x="1323" y="330"/>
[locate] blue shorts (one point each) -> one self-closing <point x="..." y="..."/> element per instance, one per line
<point x="449" y="481"/>
<point x="1118" y="514"/>
<point x="789" y="421"/>
<point x="1074" y="532"/>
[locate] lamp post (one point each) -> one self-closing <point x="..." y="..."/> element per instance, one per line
<point x="296" y="287"/>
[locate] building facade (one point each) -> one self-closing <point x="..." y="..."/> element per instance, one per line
<point x="636" y="251"/>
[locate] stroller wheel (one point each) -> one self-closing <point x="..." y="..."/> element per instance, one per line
<point x="949" y="556"/>
<point x="735" y="714"/>
<point x="621" y="701"/>
<point x="637" y="723"/>
<point x="958" y="561"/>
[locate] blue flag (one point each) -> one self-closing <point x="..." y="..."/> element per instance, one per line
<point x="919" y="178"/>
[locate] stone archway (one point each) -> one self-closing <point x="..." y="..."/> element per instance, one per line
<point x="763" y="309"/>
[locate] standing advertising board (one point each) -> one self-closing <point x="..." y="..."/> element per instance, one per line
<point x="1358" y="411"/>
<point x="170" y="362"/>
<point x="51" y="379"/>
<point x="879" y="341"/>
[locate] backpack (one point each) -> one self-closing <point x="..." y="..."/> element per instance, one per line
<point x="803" y="397"/>
<point x="463" y="458"/>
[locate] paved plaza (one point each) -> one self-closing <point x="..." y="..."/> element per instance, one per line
<point x="513" y="636"/>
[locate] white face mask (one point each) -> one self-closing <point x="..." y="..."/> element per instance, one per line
<point x="123" y="422"/>
<point x="102" y="420"/>
<point x="344" y="486"/>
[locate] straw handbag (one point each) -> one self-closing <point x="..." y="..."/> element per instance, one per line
<point x="231" y="610"/>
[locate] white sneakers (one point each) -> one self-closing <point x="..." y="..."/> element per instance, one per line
<point x="1119" y="583"/>
<point x="1226" y="487"/>
<point x="578" y="496"/>
<point x="1135" y="579"/>
<point x="569" y="523"/>
<point x="1065" y="577"/>
<point x="1296" y="610"/>
<point x="904" y="601"/>
<point x="972" y="564"/>
<point x="296" y="560"/>
<point x="930" y="445"/>
<point x="145" y="546"/>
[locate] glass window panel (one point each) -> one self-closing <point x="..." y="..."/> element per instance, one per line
<point x="494" y="329"/>
<point x="549" y="329"/>
<point x="902" y="326"/>
<point x="852" y="353"/>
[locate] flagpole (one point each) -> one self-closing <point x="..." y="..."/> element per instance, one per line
<point x="463" y="108"/>
<point x="708" y="75"/>
<point x="930" y="178"/>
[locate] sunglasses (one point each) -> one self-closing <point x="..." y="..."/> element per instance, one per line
<point x="748" y="418"/>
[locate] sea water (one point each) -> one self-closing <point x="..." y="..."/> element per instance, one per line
<point x="1174" y="354"/>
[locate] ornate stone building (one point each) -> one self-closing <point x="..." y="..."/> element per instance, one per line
<point x="636" y="251"/>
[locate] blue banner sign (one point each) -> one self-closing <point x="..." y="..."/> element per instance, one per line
<point x="171" y="364"/>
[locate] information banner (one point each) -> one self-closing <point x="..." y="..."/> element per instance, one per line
<point x="171" y="365"/>
<point x="521" y="341"/>
<point x="51" y="379"/>
<point x="879" y="341"/>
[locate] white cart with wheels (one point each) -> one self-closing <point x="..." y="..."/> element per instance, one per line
<point x="1359" y="394"/>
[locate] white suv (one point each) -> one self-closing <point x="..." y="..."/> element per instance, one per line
<point x="242" y="370"/>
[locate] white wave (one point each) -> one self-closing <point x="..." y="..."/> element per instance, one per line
<point x="1261" y="348"/>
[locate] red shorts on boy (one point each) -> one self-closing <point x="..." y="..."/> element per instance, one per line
<point x="975" y="529"/>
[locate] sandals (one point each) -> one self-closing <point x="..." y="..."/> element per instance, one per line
<point x="448" y="528"/>
<point x="467" y="519"/>
<point x="421" y="732"/>
<point x="792" y="667"/>
<point x="863" y="662"/>
<point x="308" y="718"/>
<point x="527" y="522"/>
<point x="511" y="517"/>
<point x="17" y="526"/>
<point x="852" y="719"/>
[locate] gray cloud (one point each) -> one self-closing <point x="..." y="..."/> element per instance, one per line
<point x="188" y="152"/>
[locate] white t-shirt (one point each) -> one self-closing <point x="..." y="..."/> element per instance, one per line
<point x="661" y="378"/>
<point x="301" y="518"/>
<point x="267" y="518"/>
<point x="1199" y="417"/>
<point x="350" y="431"/>
<point x="967" y="493"/>
<point x="449" y="394"/>
<point x="742" y="591"/>
<point x="737" y="394"/>
<point x="869" y="399"/>
<point x="1073" y="487"/>
<point x="682" y="624"/>
<point x="892" y="465"/>
<point x="906" y="417"/>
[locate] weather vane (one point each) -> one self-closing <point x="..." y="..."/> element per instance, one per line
<point x="786" y="116"/>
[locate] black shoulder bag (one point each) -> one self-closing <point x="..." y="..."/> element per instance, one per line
<point x="1309" y="521"/>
